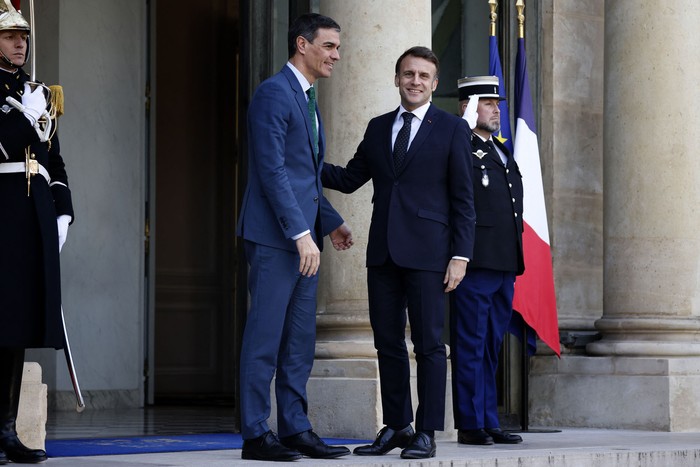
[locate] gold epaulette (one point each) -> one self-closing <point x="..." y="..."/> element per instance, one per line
<point x="57" y="99"/>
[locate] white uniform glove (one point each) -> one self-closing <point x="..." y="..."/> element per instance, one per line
<point x="62" y="222"/>
<point x="470" y="114"/>
<point x="34" y="103"/>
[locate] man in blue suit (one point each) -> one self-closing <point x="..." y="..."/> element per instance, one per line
<point x="420" y="240"/>
<point x="482" y="305"/>
<point x="284" y="217"/>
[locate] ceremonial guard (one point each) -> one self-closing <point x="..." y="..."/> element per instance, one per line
<point x="35" y="212"/>
<point x="482" y="304"/>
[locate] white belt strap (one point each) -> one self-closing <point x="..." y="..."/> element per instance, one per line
<point x="18" y="167"/>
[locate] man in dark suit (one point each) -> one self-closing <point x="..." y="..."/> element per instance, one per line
<point x="284" y="217"/>
<point x="420" y="240"/>
<point x="482" y="304"/>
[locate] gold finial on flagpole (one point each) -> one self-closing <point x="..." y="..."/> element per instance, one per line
<point x="493" y="16"/>
<point x="520" y="6"/>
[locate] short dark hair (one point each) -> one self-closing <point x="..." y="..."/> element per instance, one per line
<point x="420" y="52"/>
<point x="307" y="26"/>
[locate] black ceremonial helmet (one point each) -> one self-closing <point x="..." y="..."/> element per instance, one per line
<point x="12" y="19"/>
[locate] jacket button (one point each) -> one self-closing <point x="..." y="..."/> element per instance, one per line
<point x="315" y="199"/>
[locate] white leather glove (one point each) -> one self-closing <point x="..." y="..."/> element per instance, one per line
<point x="34" y="103"/>
<point x="62" y="222"/>
<point x="470" y="114"/>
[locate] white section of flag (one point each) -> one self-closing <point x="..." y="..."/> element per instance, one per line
<point x="527" y="155"/>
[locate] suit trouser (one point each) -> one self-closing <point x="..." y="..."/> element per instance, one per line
<point x="391" y="289"/>
<point x="279" y="337"/>
<point x="480" y="311"/>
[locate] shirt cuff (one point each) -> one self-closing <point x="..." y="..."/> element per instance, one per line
<point x="298" y="236"/>
<point x="461" y="258"/>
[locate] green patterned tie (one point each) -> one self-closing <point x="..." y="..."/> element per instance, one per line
<point x="312" y="115"/>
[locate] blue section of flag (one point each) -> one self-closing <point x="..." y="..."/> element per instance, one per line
<point x="516" y="327"/>
<point x="523" y="99"/>
<point x="495" y="69"/>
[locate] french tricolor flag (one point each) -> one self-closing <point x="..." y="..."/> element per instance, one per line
<point x="534" y="298"/>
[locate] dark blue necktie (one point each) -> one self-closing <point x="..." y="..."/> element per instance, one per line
<point x="312" y="115"/>
<point x="401" y="143"/>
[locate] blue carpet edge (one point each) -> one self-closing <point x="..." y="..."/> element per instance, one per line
<point x="148" y="444"/>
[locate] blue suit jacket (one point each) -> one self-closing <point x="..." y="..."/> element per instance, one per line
<point x="424" y="214"/>
<point x="284" y="194"/>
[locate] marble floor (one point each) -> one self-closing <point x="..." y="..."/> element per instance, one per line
<point x="158" y="420"/>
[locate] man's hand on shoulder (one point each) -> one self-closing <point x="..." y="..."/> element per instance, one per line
<point x="341" y="237"/>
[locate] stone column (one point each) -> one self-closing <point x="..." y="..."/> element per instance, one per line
<point x="373" y="36"/>
<point x="651" y="226"/>
<point x="645" y="371"/>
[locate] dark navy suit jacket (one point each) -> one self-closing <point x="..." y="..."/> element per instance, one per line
<point x="423" y="215"/>
<point x="284" y="195"/>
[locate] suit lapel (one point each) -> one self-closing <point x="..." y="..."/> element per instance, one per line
<point x="300" y="97"/>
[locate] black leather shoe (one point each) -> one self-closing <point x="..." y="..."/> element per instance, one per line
<point x="478" y="437"/>
<point x="501" y="437"/>
<point x="17" y="452"/>
<point x="268" y="448"/>
<point x="421" y="446"/>
<point x="309" y="444"/>
<point x="3" y="458"/>
<point x="387" y="439"/>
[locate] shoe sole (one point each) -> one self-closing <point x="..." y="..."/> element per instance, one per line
<point x="475" y="443"/>
<point x="376" y="453"/>
<point x="415" y="456"/>
<point x="334" y="456"/>
<point x="251" y="457"/>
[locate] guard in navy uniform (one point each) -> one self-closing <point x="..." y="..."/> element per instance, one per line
<point x="35" y="211"/>
<point x="481" y="306"/>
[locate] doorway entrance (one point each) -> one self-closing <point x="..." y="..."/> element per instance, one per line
<point x="194" y="67"/>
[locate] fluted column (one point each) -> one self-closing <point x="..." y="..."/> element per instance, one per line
<point x="373" y="36"/>
<point x="651" y="166"/>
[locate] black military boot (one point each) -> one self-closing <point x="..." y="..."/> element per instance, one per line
<point x="11" y="369"/>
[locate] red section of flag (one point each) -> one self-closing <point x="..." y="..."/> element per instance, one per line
<point x="534" y="290"/>
<point x="15" y="3"/>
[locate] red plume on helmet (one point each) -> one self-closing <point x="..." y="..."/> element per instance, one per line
<point x="15" y="3"/>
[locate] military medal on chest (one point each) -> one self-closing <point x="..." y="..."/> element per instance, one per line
<point x="484" y="176"/>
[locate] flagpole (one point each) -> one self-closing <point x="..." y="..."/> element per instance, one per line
<point x="525" y="366"/>
<point x="524" y="357"/>
<point x="493" y="16"/>
<point x="520" y="8"/>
